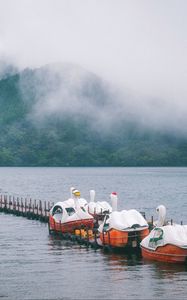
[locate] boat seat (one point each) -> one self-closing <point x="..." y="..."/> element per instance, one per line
<point x="58" y="216"/>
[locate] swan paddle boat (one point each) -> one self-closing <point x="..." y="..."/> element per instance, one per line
<point x="166" y="242"/>
<point x="122" y="229"/>
<point x="97" y="208"/>
<point x="67" y="216"/>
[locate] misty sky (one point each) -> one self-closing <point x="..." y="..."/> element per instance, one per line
<point x="140" y="45"/>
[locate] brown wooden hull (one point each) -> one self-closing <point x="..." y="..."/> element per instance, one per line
<point x="168" y="253"/>
<point x="69" y="227"/>
<point x="120" y="239"/>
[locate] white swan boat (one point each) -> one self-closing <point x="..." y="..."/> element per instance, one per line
<point x="166" y="242"/>
<point x="124" y="228"/>
<point x="97" y="208"/>
<point x="67" y="216"/>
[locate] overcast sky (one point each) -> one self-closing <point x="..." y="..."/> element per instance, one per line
<point x="138" y="44"/>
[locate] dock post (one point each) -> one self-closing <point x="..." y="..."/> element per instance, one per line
<point x="37" y="214"/>
<point x="14" y="205"/>
<point x="17" y="206"/>
<point x="22" y="206"/>
<point x="25" y="206"/>
<point x="10" y="202"/>
<point x="45" y="208"/>
<point x="33" y="211"/>
<point x="5" y="202"/>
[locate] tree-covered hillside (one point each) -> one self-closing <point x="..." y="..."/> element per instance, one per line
<point x="66" y="118"/>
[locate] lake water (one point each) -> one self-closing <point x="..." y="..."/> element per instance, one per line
<point x="35" y="265"/>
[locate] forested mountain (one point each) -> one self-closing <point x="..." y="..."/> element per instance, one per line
<point x="65" y="116"/>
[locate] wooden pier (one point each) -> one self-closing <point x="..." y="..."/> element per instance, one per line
<point x="28" y="208"/>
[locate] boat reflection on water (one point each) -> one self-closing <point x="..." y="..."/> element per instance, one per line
<point x="165" y="270"/>
<point x="117" y="259"/>
<point x="126" y="274"/>
<point x="56" y="243"/>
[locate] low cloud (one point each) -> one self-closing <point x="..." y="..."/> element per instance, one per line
<point x="67" y="90"/>
<point x="139" y="47"/>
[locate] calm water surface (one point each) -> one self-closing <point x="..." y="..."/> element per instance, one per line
<point x="34" y="265"/>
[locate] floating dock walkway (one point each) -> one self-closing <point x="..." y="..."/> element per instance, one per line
<point x="36" y="210"/>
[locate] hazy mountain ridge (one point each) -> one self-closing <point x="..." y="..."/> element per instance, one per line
<point x="7" y="69"/>
<point x="63" y="115"/>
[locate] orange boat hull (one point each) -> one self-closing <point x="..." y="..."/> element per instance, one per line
<point x="168" y="253"/>
<point x="69" y="227"/>
<point x="120" y="239"/>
